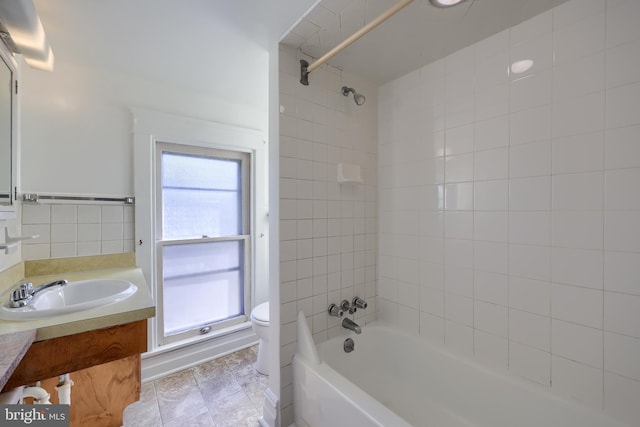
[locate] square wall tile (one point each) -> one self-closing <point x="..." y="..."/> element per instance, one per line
<point x="492" y="318"/>
<point x="491" y="164"/>
<point x="64" y="214"/>
<point x="491" y="133"/>
<point x="530" y="228"/>
<point x="63" y="250"/>
<point x="622" y="314"/>
<point x="89" y="214"/>
<point x="622" y="23"/>
<point x="622" y="272"/>
<point x="36" y="214"/>
<point x="491" y="195"/>
<point x="583" y="114"/>
<point x="43" y="231"/>
<point x="587" y="313"/>
<point x="576" y="342"/>
<point x="579" y="77"/>
<point x="530" y="194"/>
<point x="530" y="329"/>
<point x="491" y="226"/>
<point x="530" y="363"/>
<point x="112" y="214"/>
<point x="491" y="102"/>
<point x="621" y="188"/>
<point x="532" y="159"/>
<point x="621" y="148"/>
<point x="530" y="125"/>
<point x="621" y="355"/>
<point x="459" y="168"/>
<point x="491" y="256"/>
<point x="531" y="262"/>
<point x="491" y="287"/>
<point x="529" y="295"/>
<point x="621" y="231"/>
<point x="623" y="106"/>
<point x="577" y="229"/>
<point x="531" y="91"/>
<point x="580" y="39"/>
<point x="581" y="191"/>
<point x="63" y="233"/>
<point x="578" y="153"/>
<point x="577" y="267"/>
<point x="622" y="60"/>
<point x="88" y="248"/>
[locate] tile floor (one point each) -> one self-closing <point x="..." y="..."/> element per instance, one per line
<point x="223" y="392"/>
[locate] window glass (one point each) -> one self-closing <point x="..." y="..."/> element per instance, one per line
<point x="201" y="196"/>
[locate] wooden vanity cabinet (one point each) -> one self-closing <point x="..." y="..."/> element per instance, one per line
<point x="104" y="365"/>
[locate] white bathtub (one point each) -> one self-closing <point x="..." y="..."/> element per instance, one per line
<point x="393" y="379"/>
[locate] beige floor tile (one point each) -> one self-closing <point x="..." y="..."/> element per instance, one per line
<point x="225" y="392"/>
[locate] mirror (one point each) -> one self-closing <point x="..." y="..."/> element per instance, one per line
<point x="7" y="128"/>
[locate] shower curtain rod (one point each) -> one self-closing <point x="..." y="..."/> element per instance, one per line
<point x="306" y="68"/>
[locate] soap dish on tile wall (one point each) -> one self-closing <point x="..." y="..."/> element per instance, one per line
<point x="348" y="173"/>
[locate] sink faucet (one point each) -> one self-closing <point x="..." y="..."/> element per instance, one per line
<point x="24" y="294"/>
<point x="351" y="325"/>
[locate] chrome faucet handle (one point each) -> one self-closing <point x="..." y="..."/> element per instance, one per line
<point x="22" y="296"/>
<point x="335" y="311"/>
<point x="347" y="306"/>
<point x="359" y="303"/>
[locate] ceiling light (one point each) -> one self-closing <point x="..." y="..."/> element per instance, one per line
<point x="520" y="67"/>
<point x="25" y="34"/>
<point x="445" y="3"/>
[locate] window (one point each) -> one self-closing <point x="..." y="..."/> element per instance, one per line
<point x="203" y="239"/>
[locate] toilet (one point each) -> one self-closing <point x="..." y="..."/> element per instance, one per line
<point x="260" y="325"/>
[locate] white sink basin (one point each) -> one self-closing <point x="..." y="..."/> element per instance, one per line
<point x="75" y="296"/>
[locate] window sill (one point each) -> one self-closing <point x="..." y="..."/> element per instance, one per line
<point x="212" y="336"/>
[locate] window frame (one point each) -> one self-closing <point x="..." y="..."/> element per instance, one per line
<point x="150" y="126"/>
<point x="245" y="159"/>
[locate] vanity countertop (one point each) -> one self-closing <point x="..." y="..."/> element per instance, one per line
<point x="14" y="346"/>
<point x="140" y="306"/>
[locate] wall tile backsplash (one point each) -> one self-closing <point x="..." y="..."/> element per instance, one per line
<point x="516" y="196"/>
<point x="69" y="230"/>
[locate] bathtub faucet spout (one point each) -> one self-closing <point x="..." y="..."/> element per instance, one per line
<point x="351" y="325"/>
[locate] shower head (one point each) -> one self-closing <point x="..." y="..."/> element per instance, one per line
<point x="357" y="97"/>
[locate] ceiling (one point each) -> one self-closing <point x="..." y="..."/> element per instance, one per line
<point x="214" y="47"/>
<point x="201" y="43"/>
<point x="415" y="36"/>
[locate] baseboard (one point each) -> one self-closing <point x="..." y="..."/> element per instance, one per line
<point x="162" y="363"/>
<point x="269" y="410"/>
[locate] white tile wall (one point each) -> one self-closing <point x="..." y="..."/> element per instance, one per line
<point x="529" y="239"/>
<point x="69" y="230"/>
<point x="328" y="231"/>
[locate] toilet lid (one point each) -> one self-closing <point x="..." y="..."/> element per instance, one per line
<point x="261" y="312"/>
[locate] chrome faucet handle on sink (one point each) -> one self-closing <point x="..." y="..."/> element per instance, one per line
<point x="24" y="294"/>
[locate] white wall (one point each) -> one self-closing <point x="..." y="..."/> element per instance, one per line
<point x="509" y="207"/>
<point x="110" y="57"/>
<point x="328" y="231"/>
<point x="76" y="121"/>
